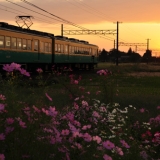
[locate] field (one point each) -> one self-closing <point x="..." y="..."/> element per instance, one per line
<point x="111" y="112"/>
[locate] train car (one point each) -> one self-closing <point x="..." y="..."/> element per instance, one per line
<point x="34" y="49"/>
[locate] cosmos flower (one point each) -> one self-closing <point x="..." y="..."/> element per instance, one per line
<point x="108" y="145"/>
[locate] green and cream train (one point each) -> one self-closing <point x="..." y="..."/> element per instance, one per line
<point x="33" y="49"/>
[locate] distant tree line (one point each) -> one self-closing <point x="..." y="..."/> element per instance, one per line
<point x="126" y="57"/>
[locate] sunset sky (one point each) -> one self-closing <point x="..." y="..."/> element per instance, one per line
<point x="139" y="19"/>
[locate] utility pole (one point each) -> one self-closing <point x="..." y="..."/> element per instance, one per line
<point x="117" y="51"/>
<point x="148" y="44"/>
<point x="136" y="49"/>
<point x="62" y="30"/>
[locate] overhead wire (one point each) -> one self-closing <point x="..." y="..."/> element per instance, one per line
<point x="68" y="22"/>
<point x="33" y="11"/>
<point x="61" y="19"/>
<point x="21" y="12"/>
<point x="82" y="3"/>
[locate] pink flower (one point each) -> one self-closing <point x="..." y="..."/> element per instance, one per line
<point x="79" y="146"/>
<point x="22" y="124"/>
<point x="2" y="137"/>
<point x="87" y="137"/>
<point x="2" y="107"/>
<point x="144" y="155"/>
<point x="102" y="72"/>
<point x="73" y="128"/>
<point x="158" y="107"/>
<point x="70" y="116"/>
<point x="106" y="157"/>
<point x="2" y="157"/>
<point x="97" y="139"/>
<point x="77" y="134"/>
<point x="36" y="109"/>
<point x="95" y="114"/>
<point x="76" y="82"/>
<point x="48" y="97"/>
<point x="15" y="66"/>
<point x="124" y="144"/>
<point x="108" y="145"/>
<point x="2" y="97"/>
<point x="24" y="72"/>
<point x="9" y="129"/>
<point x="65" y="132"/>
<point x="9" y="121"/>
<point x="76" y="106"/>
<point x="119" y="151"/>
<point x="52" y="111"/>
<point x="76" y="99"/>
<point x="86" y="127"/>
<point x="142" y="110"/>
<point x="39" y="70"/>
<point x="7" y="68"/>
<point x="52" y="140"/>
<point x="84" y="103"/>
<point x="156" y="138"/>
<point x="76" y="123"/>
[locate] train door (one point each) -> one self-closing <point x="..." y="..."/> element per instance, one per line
<point x="36" y="48"/>
<point x="67" y="52"/>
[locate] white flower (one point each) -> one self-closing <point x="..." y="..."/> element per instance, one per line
<point x="114" y="111"/>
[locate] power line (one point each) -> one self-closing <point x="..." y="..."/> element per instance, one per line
<point x="22" y="12"/>
<point x="58" y="18"/>
<point x="33" y="11"/>
<point x="61" y="19"/>
<point x="68" y="22"/>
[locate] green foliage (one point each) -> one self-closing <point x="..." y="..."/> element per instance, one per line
<point x="43" y="110"/>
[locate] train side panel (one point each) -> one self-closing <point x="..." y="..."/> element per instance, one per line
<point x="75" y="53"/>
<point x="24" y="48"/>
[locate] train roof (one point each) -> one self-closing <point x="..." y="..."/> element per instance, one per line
<point x="5" y="25"/>
<point x="20" y="29"/>
<point x="58" y="37"/>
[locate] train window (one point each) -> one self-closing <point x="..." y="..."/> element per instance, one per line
<point x="29" y="44"/>
<point x="1" y="41"/>
<point x="66" y="49"/>
<point x="62" y="48"/>
<point x="46" y="47"/>
<point x="77" y="49"/>
<point x="35" y="45"/>
<point x="50" y="49"/>
<point x="90" y="50"/>
<point x="94" y="52"/>
<point x="74" y="49"/>
<point x="59" y="48"/>
<point x="42" y="47"/>
<point x="70" y="49"/>
<point x="8" y="42"/>
<point x="14" y="43"/>
<point x="24" y="44"/>
<point x="56" y="48"/>
<point x="19" y="43"/>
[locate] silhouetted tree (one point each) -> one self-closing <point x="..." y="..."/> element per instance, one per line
<point x="103" y="56"/>
<point x="135" y="57"/>
<point x="147" y="56"/>
<point x="130" y="51"/>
